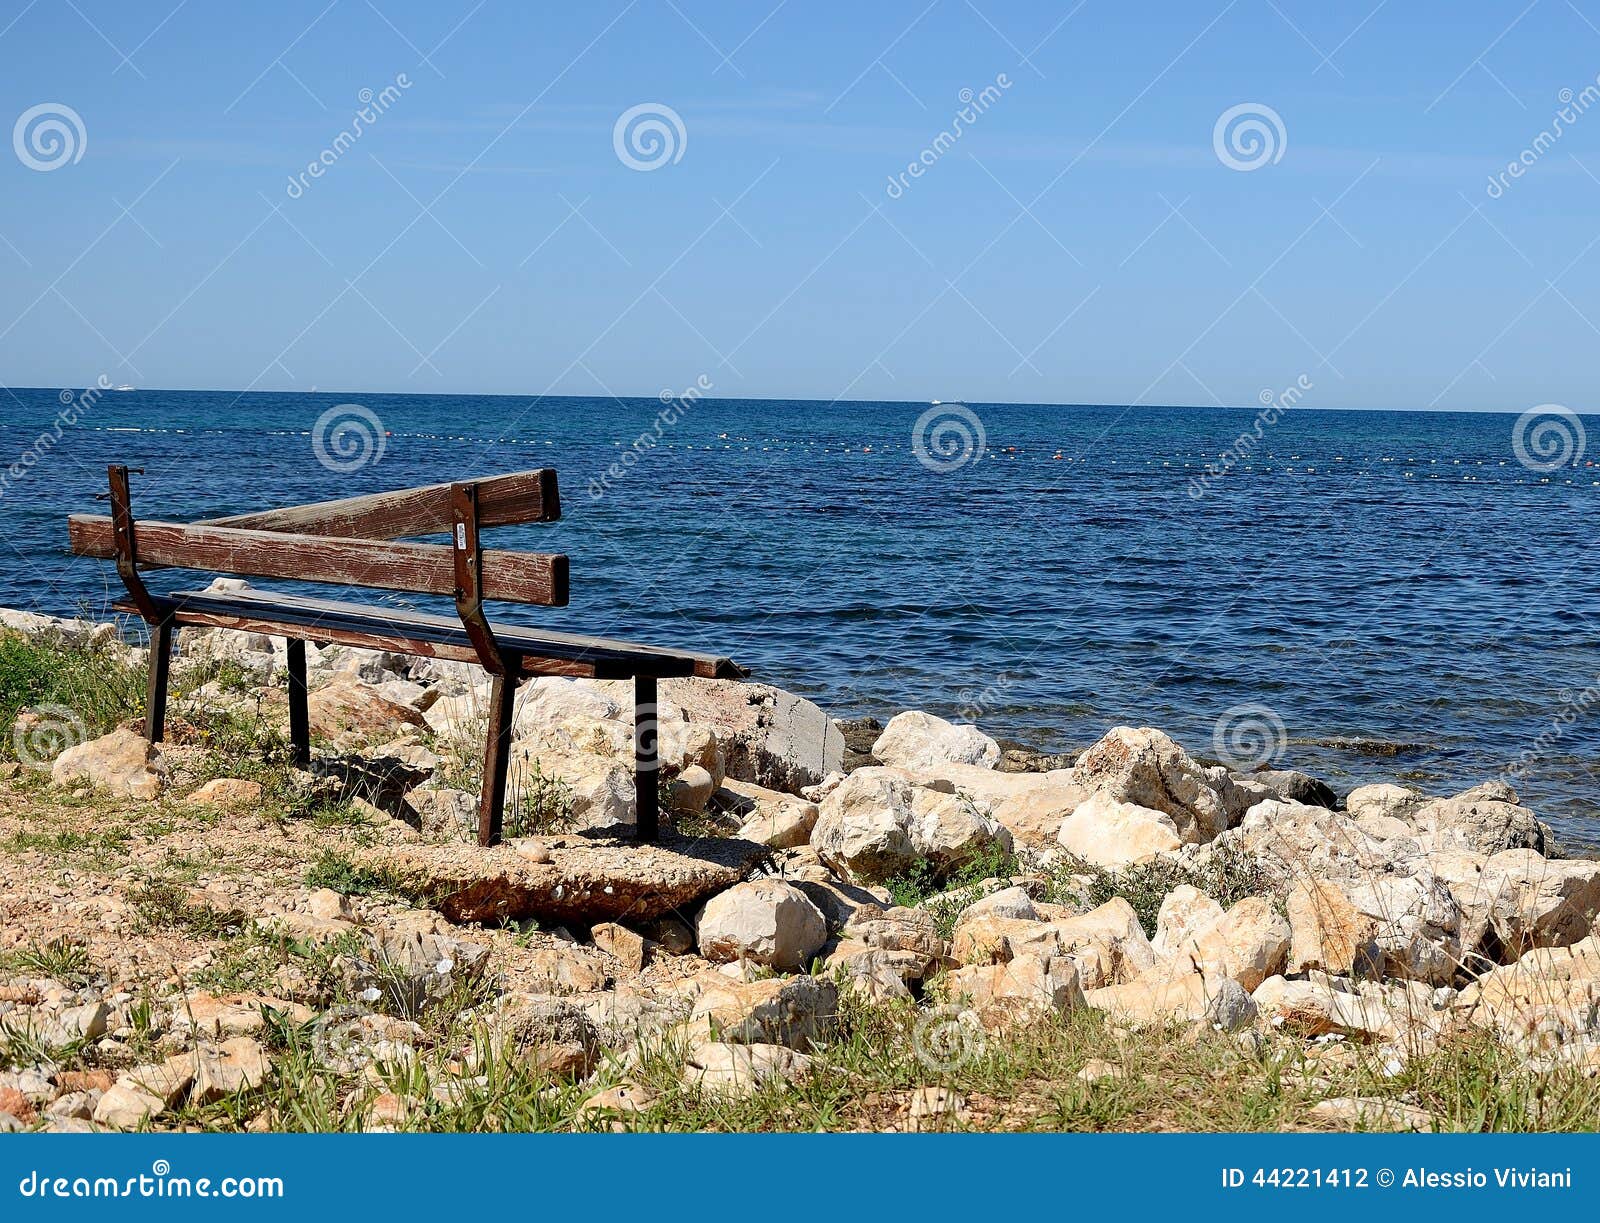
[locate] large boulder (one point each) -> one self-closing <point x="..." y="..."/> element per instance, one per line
<point x="1144" y="767"/>
<point x="1105" y="945"/>
<point x="878" y="823"/>
<point x="1104" y="831"/>
<point x="1174" y="993"/>
<point x="122" y="763"/>
<point x="1328" y="932"/>
<point x="766" y="920"/>
<point x="1030" y="805"/>
<point x="1295" y="842"/>
<point x="768" y="817"/>
<point x="1292" y="786"/>
<point x="1485" y="819"/>
<point x="573" y="791"/>
<point x="1185" y="911"/>
<point x="582" y="881"/>
<point x="1526" y="901"/>
<point x="917" y="741"/>
<point x="1416" y="925"/>
<point x="1246" y="944"/>
<point x="1020" y="991"/>
<point x="349" y="710"/>
<point x="795" y="1011"/>
<point x="771" y="737"/>
<point x="1382" y="799"/>
<point x="1549" y="997"/>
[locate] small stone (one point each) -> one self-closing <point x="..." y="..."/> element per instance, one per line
<point x="691" y="790"/>
<point x="533" y="849"/>
<point x="1097" y="1068"/>
<point x="240" y="1064"/>
<point x="765" y="920"/>
<point x="626" y="1098"/>
<point x="227" y="792"/>
<point x="329" y="905"/>
<point x="937" y="1108"/>
<point x="624" y="944"/>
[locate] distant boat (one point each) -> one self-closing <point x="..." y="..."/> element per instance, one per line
<point x="123" y="387"/>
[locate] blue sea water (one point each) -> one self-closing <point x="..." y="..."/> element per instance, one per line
<point x="1394" y="576"/>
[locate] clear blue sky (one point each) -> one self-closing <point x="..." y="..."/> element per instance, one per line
<point x="1082" y="241"/>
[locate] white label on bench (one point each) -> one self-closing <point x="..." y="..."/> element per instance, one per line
<point x="461" y="535"/>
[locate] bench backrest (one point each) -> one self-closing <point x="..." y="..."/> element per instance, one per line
<point x="353" y="541"/>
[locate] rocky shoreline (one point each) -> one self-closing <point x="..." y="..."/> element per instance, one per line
<point x="184" y="929"/>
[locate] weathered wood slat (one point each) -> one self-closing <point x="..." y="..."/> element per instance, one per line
<point x="508" y="500"/>
<point x="515" y="577"/>
<point x="394" y="624"/>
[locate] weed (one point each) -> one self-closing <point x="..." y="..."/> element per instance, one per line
<point x="545" y="804"/>
<point x="1228" y="875"/>
<point x="165" y="905"/>
<point x="60" y="959"/>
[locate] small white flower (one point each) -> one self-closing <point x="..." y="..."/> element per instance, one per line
<point x="371" y="995"/>
<point x="444" y="966"/>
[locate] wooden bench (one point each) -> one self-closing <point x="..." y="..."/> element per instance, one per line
<point x="355" y="542"/>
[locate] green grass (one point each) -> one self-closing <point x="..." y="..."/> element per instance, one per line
<point x="543" y="806"/>
<point x="60" y="959"/>
<point x="941" y="892"/>
<point x="97" y="683"/>
<point x="162" y="904"/>
<point x="334" y="870"/>
<point x="862" y="1078"/>
<point x="95" y="850"/>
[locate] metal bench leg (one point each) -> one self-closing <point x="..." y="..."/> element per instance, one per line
<point x="155" y="694"/>
<point x="646" y="765"/>
<point x="299" y="712"/>
<point x="497" y="757"/>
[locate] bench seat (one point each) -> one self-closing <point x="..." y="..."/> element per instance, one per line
<point x="541" y="651"/>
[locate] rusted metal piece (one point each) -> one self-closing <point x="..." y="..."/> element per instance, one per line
<point x="155" y="693"/>
<point x="469" y="577"/>
<point x="496" y="757"/>
<point x="646" y="759"/>
<point x="299" y="705"/>
<point x="124" y="544"/>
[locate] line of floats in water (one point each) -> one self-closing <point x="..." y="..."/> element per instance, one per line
<point x="991" y="454"/>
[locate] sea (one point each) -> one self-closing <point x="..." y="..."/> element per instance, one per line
<point x="1366" y="595"/>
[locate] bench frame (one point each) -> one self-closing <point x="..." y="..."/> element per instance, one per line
<point x="338" y="541"/>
